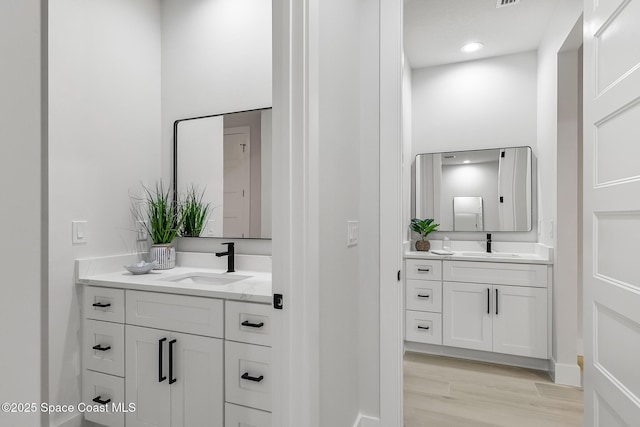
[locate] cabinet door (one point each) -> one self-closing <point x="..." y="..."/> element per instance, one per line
<point x="143" y="384"/>
<point x="520" y="321"/>
<point x="197" y="393"/>
<point x="466" y="315"/>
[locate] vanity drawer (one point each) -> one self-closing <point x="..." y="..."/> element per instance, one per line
<point x="253" y="362"/>
<point x="423" y="327"/>
<point x="423" y="295"/>
<point x="105" y="388"/>
<point x="241" y="416"/>
<point x="424" y="269"/>
<point x="495" y="273"/>
<point x="180" y="313"/>
<point x="103" y="347"/>
<point x="247" y="322"/>
<point x="104" y="304"/>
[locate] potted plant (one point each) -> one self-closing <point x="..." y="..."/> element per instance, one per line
<point x="423" y="227"/>
<point x="160" y="215"/>
<point x="194" y="213"/>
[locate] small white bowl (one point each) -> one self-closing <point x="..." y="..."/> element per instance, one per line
<point x="141" y="267"/>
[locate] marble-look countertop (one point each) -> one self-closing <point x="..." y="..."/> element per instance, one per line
<point x="95" y="272"/>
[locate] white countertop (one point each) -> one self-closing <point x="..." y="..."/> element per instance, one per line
<point x="510" y="252"/>
<point x="521" y="258"/>
<point x="255" y="288"/>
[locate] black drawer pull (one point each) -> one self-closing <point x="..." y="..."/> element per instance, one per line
<point x="101" y="304"/>
<point x="423" y="327"/>
<point x="424" y="270"/>
<point x="160" y="376"/>
<point x="423" y="296"/>
<point x="100" y="401"/>
<point x="248" y="377"/>
<point x="252" y="325"/>
<point x="171" y="378"/>
<point x="99" y="347"/>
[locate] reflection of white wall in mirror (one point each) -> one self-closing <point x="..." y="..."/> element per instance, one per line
<point x="266" y="161"/>
<point x="237" y="182"/>
<point x="205" y="154"/>
<point x="475" y="179"/>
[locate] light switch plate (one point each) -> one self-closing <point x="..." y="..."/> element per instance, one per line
<point x="79" y="232"/>
<point x="352" y="233"/>
<point x="210" y="228"/>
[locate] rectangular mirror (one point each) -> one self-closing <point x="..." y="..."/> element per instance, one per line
<point x="228" y="157"/>
<point x="481" y="190"/>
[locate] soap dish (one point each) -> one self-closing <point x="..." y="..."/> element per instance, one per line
<point x="141" y="267"/>
<point x="441" y="252"/>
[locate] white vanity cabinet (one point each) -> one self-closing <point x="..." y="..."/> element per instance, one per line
<point x="498" y="307"/>
<point x="175" y="379"/>
<point x="504" y="308"/>
<point x="164" y="355"/>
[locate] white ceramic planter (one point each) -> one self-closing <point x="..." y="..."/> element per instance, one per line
<point x="164" y="255"/>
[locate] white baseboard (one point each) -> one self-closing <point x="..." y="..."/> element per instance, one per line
<point x="75" y="421"/>
<point x="364" y="421"/>
<point x="566" y="374"/>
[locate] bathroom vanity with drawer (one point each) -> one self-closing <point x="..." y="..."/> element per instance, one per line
<point x="477" y="306"/>
<point x="164" y="353"/>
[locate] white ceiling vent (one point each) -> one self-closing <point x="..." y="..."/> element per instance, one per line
<point x="504" y="3"/>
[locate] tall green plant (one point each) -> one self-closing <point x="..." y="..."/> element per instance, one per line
<point x="162" y="213"/>
<point x="194" y="213"/>
<point x="423" y="226"/>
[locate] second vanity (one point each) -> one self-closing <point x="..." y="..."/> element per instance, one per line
<point x="179" y="347"/>
<point x="493" y="307"/>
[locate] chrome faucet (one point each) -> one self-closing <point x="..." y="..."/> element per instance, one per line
<point x="488" y="243"/>
<point x="229" y="254"/>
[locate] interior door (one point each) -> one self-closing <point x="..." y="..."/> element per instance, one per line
<point x="237" y="175"/>
<point x="467" y="316"/>
<point x="143" y="387"/>
<point x="197" y="394"/>
<point x="612" y="212"/>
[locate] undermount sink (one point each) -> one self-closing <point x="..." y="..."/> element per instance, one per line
<point x="491" y="255"/>
<point x="203" y="278"/>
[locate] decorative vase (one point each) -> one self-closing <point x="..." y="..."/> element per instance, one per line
<point x="423" y="245"/>
<point x="164" y="255"/>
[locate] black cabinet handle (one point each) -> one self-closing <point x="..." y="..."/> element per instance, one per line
<point x="423" y="296"/>
<point x="160" y="376"/>
<point x="101" y="304"/>
<point x="171" y="379"/>
<point x="496" y="302"/>
<point x="252" y="325"/>
<point x="248" y="377"/>
<point x="488" y="301"/>
<point x="100" y="401"/>
<point x="424" y="270"/>
<point x="99" y="347"/>
<point x="423" y="327"/>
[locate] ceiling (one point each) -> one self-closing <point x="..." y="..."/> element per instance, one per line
<point x="435" y="30"/>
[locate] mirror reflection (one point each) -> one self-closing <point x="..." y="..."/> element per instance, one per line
<point x="228" y="157"/>
<point x="481" y="190"/>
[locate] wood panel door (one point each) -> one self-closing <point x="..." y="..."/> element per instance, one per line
<point x="612" y="212"/>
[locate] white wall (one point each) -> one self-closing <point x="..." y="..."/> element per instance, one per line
<point x="104" y="141"/>
<point x="338" y="132"/>
<point x="565" y="295"/>
<point x="487" y="103"/>
<point x="23" y="322"/>
<point x="216" y="58"/>
<point x="200" y="159"/>
<point x="266" y="168"/>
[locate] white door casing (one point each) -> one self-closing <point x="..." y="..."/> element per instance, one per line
<point x="611" y="212"/>
<point x="237" y="179"/>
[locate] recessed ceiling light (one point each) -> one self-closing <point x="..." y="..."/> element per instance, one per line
<point x="467" y="161"/>
<point x="472" y="47"/>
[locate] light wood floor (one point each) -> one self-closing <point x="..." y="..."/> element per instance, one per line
<point x="447" y="392"/>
